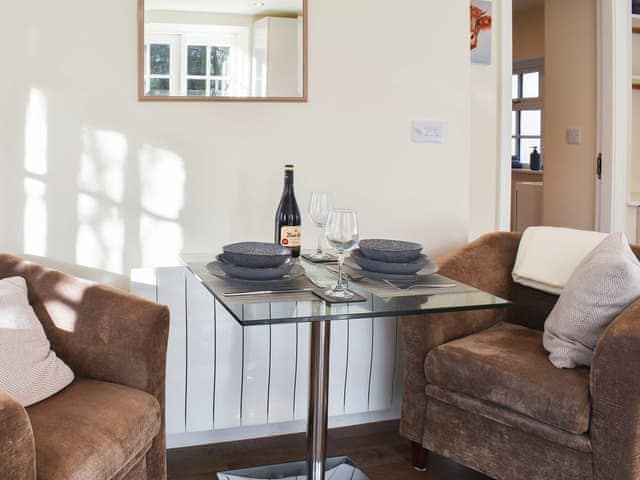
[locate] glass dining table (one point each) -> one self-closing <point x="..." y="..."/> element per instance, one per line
<point x="381" y="300"/>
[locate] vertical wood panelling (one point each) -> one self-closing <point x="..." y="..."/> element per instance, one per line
<point x="338" y="362"/>
<point x="382" y="372"/>
<point x="200" y="356"/>
<point x="144" y="283"/>
<point x="171" y="292"/>
<point x="283" y="365"/>
<point x="356" y="398"/>
<point x="398" y="369"/>
<point x="221" y="376"/>
<point x="228" y="375"/>
<point x="255" y="388"/>
<point x="303" y="332"/>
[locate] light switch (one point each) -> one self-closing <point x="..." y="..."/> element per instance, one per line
<point x="574" y="136"/>
<point x="427" y="132"/>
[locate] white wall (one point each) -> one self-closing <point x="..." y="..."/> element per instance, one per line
<point x="114" y="183"/>
<point x="485" y="137"/>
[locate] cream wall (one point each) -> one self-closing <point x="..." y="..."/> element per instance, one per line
<point x="88" y="174"/>
<point x="570" y="101"/>
<point x="485" y="157"/>
<point x="528" y="32"/>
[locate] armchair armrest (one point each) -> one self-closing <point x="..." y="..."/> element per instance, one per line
<point x="17" y="447"/>
<point x="101" y="333"/>
<point x="615" y="392"/>
<point x="486" y="264"/>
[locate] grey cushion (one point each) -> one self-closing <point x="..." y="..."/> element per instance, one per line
<point x="605" y="283"/>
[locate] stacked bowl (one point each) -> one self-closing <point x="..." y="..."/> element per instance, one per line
<point x="255" y="261"/>
<point x="392" y="257"/>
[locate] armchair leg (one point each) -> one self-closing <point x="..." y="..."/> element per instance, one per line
<point x="419" y="456"/>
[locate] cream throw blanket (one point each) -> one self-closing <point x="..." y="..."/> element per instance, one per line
<point x="547" y="256"/>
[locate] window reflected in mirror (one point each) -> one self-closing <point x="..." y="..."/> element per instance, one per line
<point x="223" y="50"/>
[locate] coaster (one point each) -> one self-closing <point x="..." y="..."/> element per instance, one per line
<point x="333" y="300"/>
<point x="309" y="258"/>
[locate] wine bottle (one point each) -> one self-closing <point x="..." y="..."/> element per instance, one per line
<point x="288" y="218"/>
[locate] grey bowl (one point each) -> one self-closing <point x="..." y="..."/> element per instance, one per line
<point x="256" y="254"/>
<point x="390" y="250"/>
<point x="246" y="273"/>
<point x="395" y="268"/>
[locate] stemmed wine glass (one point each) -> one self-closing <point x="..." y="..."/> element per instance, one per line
<point x="319" y="207"/>
<point x="342" y="234"/>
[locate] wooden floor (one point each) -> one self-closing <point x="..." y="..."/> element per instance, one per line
<point x="376" y="448"/>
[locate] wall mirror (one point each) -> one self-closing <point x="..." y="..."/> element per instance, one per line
<point x="222" y="50"/>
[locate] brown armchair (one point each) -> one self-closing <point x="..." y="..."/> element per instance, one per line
<point x="109" y="423"/>
<point x="479" y="387"/>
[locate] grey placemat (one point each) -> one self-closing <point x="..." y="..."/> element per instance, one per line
<point x="383" y="290"/>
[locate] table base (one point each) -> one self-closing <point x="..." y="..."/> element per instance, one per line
<point x="336" y="468"/>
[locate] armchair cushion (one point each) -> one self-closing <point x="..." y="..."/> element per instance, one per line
<point x="29" y="370"/>
<point x="605" y="283"/>
<point x="506" y="365"/>
<point x="94" y="430"/>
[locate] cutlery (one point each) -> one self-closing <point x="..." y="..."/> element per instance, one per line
<point x="349" y="276"/>
<point x="420" y="285"/>
<point x="267" y="292"/>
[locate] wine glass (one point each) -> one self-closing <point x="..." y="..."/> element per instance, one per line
<point x="319" y="207"/>
<point x="341" y="232"/>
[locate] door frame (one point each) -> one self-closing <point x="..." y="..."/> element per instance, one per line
<point x="613" y="114"/>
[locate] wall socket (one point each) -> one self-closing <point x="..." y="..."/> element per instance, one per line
<point x="574" y="136"/>
<point x="427" y="132"/>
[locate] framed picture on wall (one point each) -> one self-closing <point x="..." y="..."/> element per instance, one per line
<point x="481" y="32"/>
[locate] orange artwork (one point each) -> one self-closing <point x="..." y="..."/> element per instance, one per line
<point x="481" y="20"/>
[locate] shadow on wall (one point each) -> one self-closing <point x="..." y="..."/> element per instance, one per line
<point x="111" y="194"/>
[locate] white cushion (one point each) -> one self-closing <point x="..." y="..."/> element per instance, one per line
<point x="605" y="283"/>
<point x="547" y="256"/>
<point x="29" y="370"/>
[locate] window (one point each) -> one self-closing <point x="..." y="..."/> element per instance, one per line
<point x="526" y="121"/>
<point x="159" y="59"/>
<point x="193" y="60"/>
<point x="208" y="70"/>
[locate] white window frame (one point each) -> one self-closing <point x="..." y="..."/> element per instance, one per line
<point x="174" y="58"/>
<point x="236" y="37"/>
<point x="211" y="40"/>
<point x="529" y="65"/>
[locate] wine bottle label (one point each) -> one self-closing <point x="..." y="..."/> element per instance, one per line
<point x="290" y="236"/>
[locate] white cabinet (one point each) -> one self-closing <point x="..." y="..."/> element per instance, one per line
<point x="277" y="53"/>
<point x="634" y="177"/>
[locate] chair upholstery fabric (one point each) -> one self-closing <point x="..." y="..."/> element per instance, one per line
<point x="506" y="365"/>
<point x="102" y="334"/>
<point x="92" y="429"/>
<point x="502" y="433"/>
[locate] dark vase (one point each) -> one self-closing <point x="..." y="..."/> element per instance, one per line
<point x="535" y="162"/>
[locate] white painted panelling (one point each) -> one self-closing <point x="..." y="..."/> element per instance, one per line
<point x="382" y="372"/>
<point x="302" y="368"/>
<point x="255" y="388"/>
<point x="144" y="283"/>
<point x="228" y="375"/>
<point x="338" y="362"/>
<point x="226" y="382"/>
<point x="398" y="370"/>
<point x="171" y="292"/>
<point x="200" y="356"/>
<point x="356" y="397"/>
<point x="283" y="365"/>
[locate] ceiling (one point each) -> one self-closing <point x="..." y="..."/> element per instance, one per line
<point x="519" y="5"/>
<point x="240" y="7"/>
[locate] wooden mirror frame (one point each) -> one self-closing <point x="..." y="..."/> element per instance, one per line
<point x="305" y="69"/>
